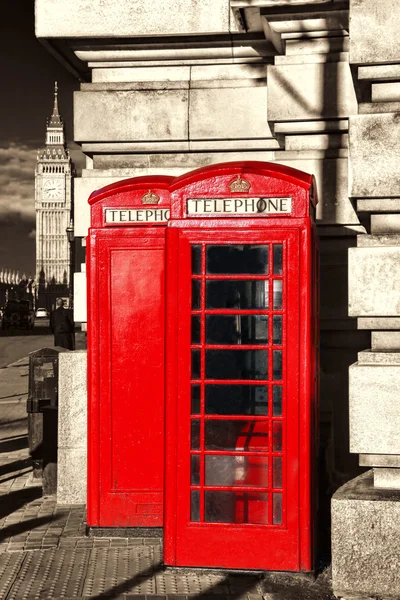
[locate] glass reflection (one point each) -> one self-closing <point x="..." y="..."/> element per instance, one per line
<point x="277" y="436"/>
<point x="236" y="435"/>
<point x="236" y="399"/>
<point x="237" y="364"/>
<point x="236" y="329"/>
<point x="195" y="506"/>
<point x="277" y="509"/>
<point x="277" y="364"/>
<point x="277" y="290"/>
<point x="236" y="507"/>
<point x="195" y="329"/>
<point x="236" y="471"/>
<point x="278" y="255"/>
<point x="196" y="260"/>
<point x="195" y="469"/>
<point x="232" y="294"/>
<point x="277" y="400"/>
<point x="277" y="330"/>
<point x="196" y="287"/>
<point x="243" y="259"/>
<point x="277" y="472"/>
<point x="195" y="364"/>
<point x="195" y="399"/>
<point x="195" y="434"/>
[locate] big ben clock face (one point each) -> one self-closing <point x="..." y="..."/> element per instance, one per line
<point x="53" y="189"/>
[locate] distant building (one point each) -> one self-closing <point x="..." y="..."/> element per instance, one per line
<point x="53" y="204"/>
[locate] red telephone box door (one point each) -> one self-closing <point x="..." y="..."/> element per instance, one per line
<point x="126" y="353"/>
<point x="238" y="454"/>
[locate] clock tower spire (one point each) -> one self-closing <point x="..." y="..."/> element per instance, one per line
<point x="53" y="210"/>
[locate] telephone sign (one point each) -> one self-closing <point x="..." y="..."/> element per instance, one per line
<point x="126" y="256"/>
<point x="241" y="368"/>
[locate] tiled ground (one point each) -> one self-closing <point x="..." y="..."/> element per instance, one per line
<point x="44" y="553"/>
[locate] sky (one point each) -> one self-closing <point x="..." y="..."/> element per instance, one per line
<point x="27" y="75"/>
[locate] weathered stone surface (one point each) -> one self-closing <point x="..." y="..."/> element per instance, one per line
<point x="365" y="540"/>
<point x="130" y="115"/>
<point x="372" y="357"/>
<point x="387" y="478"/>
<point x="72" y="476"/>
<point x="385" y="92"/>
<point x="379" y="460"/>
<point x="72" y="427"/>
<point x="374" y="282"/>
<point x="334" y="206"/>
<point x="374" y="146"/>
<point x="225" y="113"/>
<point x="107" y="18"/>
<point x="374" y="409"/>
<point x="374" y="31"/>
<point x="378" y="323"/>
<point x="386" y="340"/>
<point x="72" y="399"/>
<point x="141" y="74"/>
<point x="385" y="224"/>
<point x="310" y="91"/>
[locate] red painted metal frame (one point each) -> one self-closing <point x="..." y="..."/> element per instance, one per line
<point x="126" y="359"/>
<point x="229" y="545"/>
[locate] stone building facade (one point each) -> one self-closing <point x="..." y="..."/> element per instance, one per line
<point x="172" y="85"/>
<point x="53" y="204"/>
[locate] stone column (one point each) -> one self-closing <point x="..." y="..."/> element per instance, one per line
<point x="366" y="511"/>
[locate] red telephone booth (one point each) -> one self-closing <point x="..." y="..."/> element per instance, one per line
<point x="126" y="252"/>
<point x="241" y="368"/>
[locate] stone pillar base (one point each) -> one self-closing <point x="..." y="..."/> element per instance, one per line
<point x="365" y="540"/>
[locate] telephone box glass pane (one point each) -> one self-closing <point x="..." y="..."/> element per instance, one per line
<point x="195" y="399"/>
<point x="195" y="434"/>
<point x="196" y="260"/>
<point x="277" y="294"/>
<point x="236" y="329"/>
<point x="195" y="364"/>
<point x="277" y="400"/>
<point x="277" y="436"/>
<point x="195" y="329"/>
<point x="236" y="471"/>
<point x="277" y="327"/>
<point x="195" y="506"/>
<point x="237" y="364"/>
<point x="277" y="472"/>
<point x="236" y="435"/>
<point x="236" y="507"/>
<point x="195" y="469"/>
<point x="236" y="399"/>
<point x="277" y="259"/>
<point x="232" y="294"/>
<point x="277" y="509"/>
<point x="277" y="364"/>
<point x="196" y="286"/>
<point x="232" y="260"/>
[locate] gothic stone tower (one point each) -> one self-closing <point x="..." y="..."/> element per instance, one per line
<point x="53" y="206"/>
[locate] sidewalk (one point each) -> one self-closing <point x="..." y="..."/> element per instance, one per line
<point x="44" y="553"/>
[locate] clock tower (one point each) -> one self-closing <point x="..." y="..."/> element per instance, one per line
<point x="53" y="208"/>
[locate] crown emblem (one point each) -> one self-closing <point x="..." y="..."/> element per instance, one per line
<point x="239" y="185"/>
<point x="150" y="198"/>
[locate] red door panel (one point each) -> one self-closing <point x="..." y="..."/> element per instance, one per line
<point x="236" y="468"/>
<point x="131" y="316"/>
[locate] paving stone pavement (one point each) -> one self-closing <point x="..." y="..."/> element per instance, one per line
<point x="45" y="554"/>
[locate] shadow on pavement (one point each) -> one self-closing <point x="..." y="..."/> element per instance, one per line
<point x="12" y="501"/>
<point x="16" y="476"/>
<point x="18" y="443"/>
<point x="125" y="586"/>
<point x="239" y="583"/>
<point x="28" y="525"/>
<point x="17" y="465"/>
